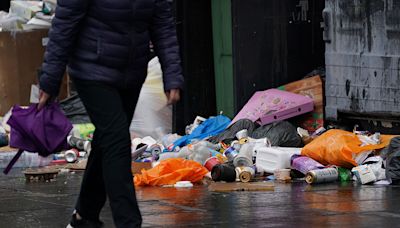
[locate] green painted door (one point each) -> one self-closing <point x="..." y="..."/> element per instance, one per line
<point x="223" y="63"/>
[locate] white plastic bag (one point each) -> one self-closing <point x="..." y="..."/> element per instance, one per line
<point x="10" y="22"/>
<point x="152" y="110"/>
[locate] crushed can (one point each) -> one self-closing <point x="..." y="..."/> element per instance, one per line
<point x="71" y="155"/>
<point x="79" y="143"/>
<point x="245" y="174"/>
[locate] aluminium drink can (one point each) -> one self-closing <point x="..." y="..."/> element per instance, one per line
<point x="322" y="175"/>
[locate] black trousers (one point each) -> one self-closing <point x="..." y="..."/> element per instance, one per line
<point x="108" y="171"/>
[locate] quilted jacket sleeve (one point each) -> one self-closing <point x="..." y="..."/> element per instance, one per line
<point x="62" y="36"/>
<point x="163" y="36"/>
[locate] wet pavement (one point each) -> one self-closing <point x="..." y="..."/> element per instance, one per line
<point x="298" y="204"/>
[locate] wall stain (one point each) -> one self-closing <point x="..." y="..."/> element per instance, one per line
<point x="348" y="82"/>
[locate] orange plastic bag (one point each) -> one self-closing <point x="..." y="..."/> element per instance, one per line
<point x="170" y="171"/>
<point x="338" y="147"/>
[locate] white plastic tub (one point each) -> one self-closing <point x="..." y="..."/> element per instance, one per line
<point x="270" y="159"/>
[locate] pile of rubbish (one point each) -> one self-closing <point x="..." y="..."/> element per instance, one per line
<point x="269" y="152"/>
<point x="27" y="15"/>
<point x="260" y="145"/>
<point x="278" y="135"/>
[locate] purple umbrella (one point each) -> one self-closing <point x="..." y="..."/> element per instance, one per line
<point x="43" y="132"/>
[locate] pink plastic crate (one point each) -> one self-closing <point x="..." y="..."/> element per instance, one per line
<point x="273" y="105"/>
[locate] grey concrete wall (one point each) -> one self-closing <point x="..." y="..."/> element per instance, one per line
<point x="362" y="57"/>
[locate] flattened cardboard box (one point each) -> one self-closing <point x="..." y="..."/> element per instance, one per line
<point x="21" y="55"/>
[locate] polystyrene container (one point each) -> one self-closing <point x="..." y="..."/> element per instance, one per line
<point x="270" y="159"/>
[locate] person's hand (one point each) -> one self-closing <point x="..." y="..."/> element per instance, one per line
<point x="173" y="96"/>
<point x="43" y="99"/>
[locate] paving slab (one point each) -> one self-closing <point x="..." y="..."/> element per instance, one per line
<point x="296" y="204"/>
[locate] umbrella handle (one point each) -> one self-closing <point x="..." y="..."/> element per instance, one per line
<point x="13" y="161"/>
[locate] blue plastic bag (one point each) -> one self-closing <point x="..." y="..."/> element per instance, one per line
<point x="211" y="127"/>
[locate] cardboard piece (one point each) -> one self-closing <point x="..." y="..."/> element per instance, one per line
<point x="21" y="55"/>
<point x="7" y="149"/>
<point x="239" y="186"/>
<point x="45" y="174"/>
<point x="311" y="87"/>
<point x="138" y="166"/>
<point x="79" y="166"/>
<point x="273" y="105"/>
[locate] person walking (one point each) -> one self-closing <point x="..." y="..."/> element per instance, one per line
<point x="105" y="46"/>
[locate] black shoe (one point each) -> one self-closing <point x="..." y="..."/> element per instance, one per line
<point x="84" y="223"/>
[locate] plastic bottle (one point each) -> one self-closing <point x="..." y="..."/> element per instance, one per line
<point x="185" y="153"/>
<point x="245" y="156"/>
<point x="167" y="155"/>
<point x="236" y="145"/>
<point x="201" y="154"/>
<point x="208" y="144"/>
<point x="27" y="160"/>
<point x="169" y="139"/>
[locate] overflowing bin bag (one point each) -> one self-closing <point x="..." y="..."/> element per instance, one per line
<point x="170" y="171"/>
<point x="338" y="147"/>
<point x="392" y="156"/>
<point x="230" y="133"/>
<point x="282" y="134"/>
<point x="74" y="110"/>
<point x="152" y="110"/>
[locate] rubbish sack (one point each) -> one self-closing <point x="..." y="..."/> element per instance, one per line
<point x="3" y="139"/>
<point x="392" y="156"/>
<point x="74" y="110"/>
<point x="10" y="21"/>
<point x="152" y="110"/>
<point x="230" y="133"/>
<point x="44" y="131"/>
<point x="211" y="127"/>
<point x="282" y="134"/>
<point x="340" y="148"/>
<point x="170" y="171"/>
<point x="377" y="166"/>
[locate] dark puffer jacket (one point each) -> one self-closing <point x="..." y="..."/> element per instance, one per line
<point x="108" y="41"/>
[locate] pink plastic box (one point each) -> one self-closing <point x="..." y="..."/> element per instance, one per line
<point x="273" y="105"/>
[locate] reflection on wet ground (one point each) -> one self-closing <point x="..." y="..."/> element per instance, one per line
<point x="295" y="204"/>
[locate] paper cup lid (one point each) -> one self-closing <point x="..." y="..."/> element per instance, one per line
<point x="183" y="184"/>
